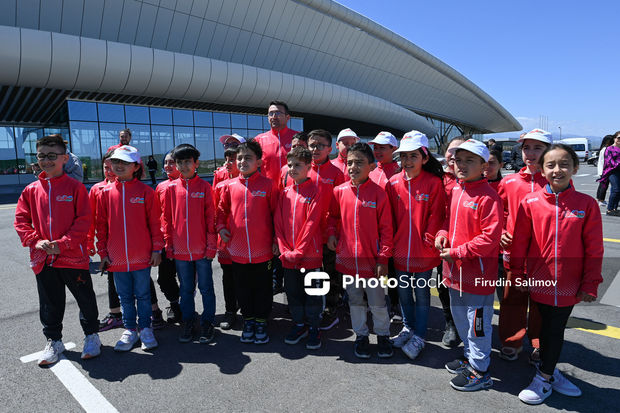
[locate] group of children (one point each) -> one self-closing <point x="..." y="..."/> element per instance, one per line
<point x="362" y="218"/>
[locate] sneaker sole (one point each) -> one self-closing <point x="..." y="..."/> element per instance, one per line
<point x="263" y="341"/>
<point x="247" y="340"/>
<point x="109" y="327"/>
<point x="225" y="326"/>
<point x="146" y="348"/>
<point x="297" y="340"/>
<point x="534" y="402"/>
<point x="186" y="339"/>
<point x="313" y="347"/>
<point x="453" y="371"/>
<point x="411" y="357"/>
<point x="90" y="356"/>
<point x="480" y="386"/>
<point x="331" y="325"/>
<point x="205" y="340"/>
<point x="123" y="350"/>
<point x="385" y="355"/>
<point x="361" y="356"/>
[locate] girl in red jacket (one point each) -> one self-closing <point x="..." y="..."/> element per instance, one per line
<point x="245" y="223"/>
<point x="129" y="242"/>
<point x="558" y="237"/>
<point x="418" y="205"/>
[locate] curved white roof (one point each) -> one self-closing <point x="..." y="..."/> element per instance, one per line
<point x="317" y="55"/>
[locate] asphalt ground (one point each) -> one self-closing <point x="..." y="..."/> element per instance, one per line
<point x="231" y="376"/>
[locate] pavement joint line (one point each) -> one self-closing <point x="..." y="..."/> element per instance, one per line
<point x="76" y="383"/>
<point x="588" y="326"/>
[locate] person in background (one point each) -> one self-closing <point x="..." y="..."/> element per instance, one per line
<point x="601" y="191"/>
<point x="611" y="174"/>
<point x="346" y="138"/>
<point x="151" y="164"/>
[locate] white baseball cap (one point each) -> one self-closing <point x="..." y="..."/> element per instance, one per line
<point x="384" y="138"/>
<point x="126" y="153"/>
<point x="474" y="146"/>
<point x="537" y="135"/>
<point x="224" y="138"/>
<point x="347" y="133"/>
<point x="412" y="141"/>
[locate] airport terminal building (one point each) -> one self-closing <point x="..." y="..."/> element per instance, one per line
<point x="189" y="71"/>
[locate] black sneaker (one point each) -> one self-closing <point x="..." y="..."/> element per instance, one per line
<point x="457" y="366"/>
<point x="296" y="334"/>
<point x="157" y="320"/>
<point x="207" y="333"/>
<point x="384" y="347"/>
<point x="471" y="380"/>
<point x="111" y="321"/>
<point x="260" y="333"/>
<point x="314" y="339"/>
<point x="230" y="319"/>
<point x="362" y="347"/>
<point x="329" y="319"/>
<point x="395" y="316"/>
<point x="188" y="332"/>
<point x="450" y="336"/>
<point x="247" y="335"/>
<point x="173" y="314"/>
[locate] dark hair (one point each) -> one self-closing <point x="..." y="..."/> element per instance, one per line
<point x="301" y="136"/>
<point x="608" y="140"/>
<point x="253" y="146"/>
<point x="107" y="156"/>
<point x="500" y="157"/>
<point x="280" y="103"/>
<point x="562" y="146"/>
<point x="185" y="151"/>
<point x="322" y="133"/>
<point x="126" y="130"/>
<point x="300" y="153"/>
<point x="617" y="134"/>
<point x="53" y="140"/>
<point x="230" y="152"/>
<point x="457" y="138"/>
<point x="491" y="140"/>
<point x="364" y="149"/>
<point x="432" y="165"/>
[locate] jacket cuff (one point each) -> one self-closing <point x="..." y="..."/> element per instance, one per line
<point x="442" y="233"/>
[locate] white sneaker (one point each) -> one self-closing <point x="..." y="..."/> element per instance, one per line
<point x="92" y="346"/>
<point x="127" y="341"/>
<point x="538" y="390"/>
<point x="51" y="352"/>
<point x="561" y="384"/>
<point x="413" y="347"/>
<point x="148" y="339"/>
<point x="402" y="338"/>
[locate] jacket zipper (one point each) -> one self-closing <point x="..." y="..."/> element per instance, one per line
<point x="245" y="210"/>
<point x="410" y="212"/>
<point x="49" y="185"/>
<point x="125" y="227"/>
<point x="456" y="217"/>
<point x="355" y="228"/>
<point x="556" y="249"/>
<point x="187" y="219"/>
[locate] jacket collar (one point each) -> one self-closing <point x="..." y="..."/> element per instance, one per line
<point x="252" y="178"/>
<point x="417" y="178"/>
<point x="550" y="195"/>
<point x="279" y="132"/>
<point x="44" y="178"/>
<point x="365" y="184"/>
<point x="120" y="183"/>
<point x="528" y="176"/>
<point x="192" y="180"/>
<point x="473" y="184"/>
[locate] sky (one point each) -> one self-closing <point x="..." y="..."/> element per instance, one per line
<point x="559" y="60"/>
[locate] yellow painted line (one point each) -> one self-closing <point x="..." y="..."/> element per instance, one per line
<point x="576" y="323"/>
<point x="611" y="240"/>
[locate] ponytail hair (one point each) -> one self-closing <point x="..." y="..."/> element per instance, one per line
<point x="432" y="165"/>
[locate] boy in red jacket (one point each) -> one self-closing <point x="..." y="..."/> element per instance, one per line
<point x="189" y="235"/>
<point x="297" y="223"/>
<point x="52" y="218"/>
<point x="346" y="138"/>
<point x="360" y="213"/>
<point x="245" y="223"/>
<point x="469" y="250"/>
<point x="514" y="318"/>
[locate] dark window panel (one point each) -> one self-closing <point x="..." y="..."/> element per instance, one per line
<point x="183" y="117"/>
<point x="111" y="113"/>
<point x="161" y="116"/>
<point x="82" y="111"/>
<point x="137" y="114"/>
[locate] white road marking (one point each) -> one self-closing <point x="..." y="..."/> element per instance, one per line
<point x="580" y="175"/>
<point x="80" y="388"/>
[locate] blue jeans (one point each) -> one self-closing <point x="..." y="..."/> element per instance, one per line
<point x="188" y="272"/>
<point x="415" y="312"/>
<point x="614" y="194"/>
<point x="132" y="287"/>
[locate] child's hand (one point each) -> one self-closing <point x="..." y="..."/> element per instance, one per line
<point x="332" y="243"/>
<point x="441" y="242"/>
<point x="53" y="248"/>
<point x="42" y="244"/>
<point x="105" y="263"/>
<point x="381" y="270"/>
<point x="155" y="259"/>
<point x="445" y="255"/>
<point x="506" y="240"/>
<point x="225" y="235"/>
<point x="585" y="297"/>
<point x="275" y="249"/>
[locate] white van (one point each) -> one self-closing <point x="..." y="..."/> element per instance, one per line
<point x="579" y="145"/>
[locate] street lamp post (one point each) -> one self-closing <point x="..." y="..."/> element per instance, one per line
<point x="560" y="128"/>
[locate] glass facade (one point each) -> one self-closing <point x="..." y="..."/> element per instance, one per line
<point x="94" y="127"/>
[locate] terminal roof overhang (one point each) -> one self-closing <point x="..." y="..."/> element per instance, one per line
<point x="317" y="55"/>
